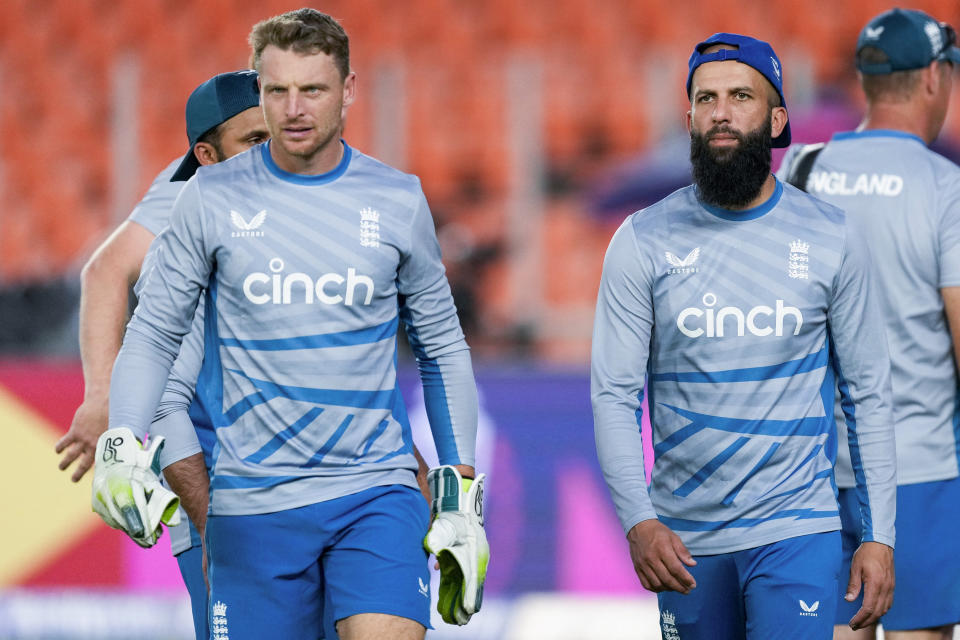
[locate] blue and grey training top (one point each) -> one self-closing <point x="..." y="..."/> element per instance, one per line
<point x="153" y="211"/>
<point x="734" y="320"/>
<point x="906" y="200"/>
<point x="305" y="280"/>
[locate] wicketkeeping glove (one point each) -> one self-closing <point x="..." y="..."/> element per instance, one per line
<point x="457" y="538"/>
<point x="127" y="492"/>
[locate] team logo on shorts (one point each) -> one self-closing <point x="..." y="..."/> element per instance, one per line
<point x="369" y="228"/>
<point x="668" y="626"/>
<point x="798" y="264"/>
<point x="809" y="610"/>
<point x="424" y="588"/>
<point x="219" y="621"/>
<point x="247" y="229"/>
<point x="686" y="265"/>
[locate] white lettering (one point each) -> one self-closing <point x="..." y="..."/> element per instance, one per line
<point x="752" y="320"/>
<point x="328" y="288"/>
<point x="293" y="279"/>
<point x="353" y="280"/>
<point x="782" y="312"/>
<point x="255" y="298"/>
<point x="689" y="311"/>
<point x="723" y="314"/>
<point x="713" y="323"/>
<point x="322" y="295"/>
<point x="835" y="183"/>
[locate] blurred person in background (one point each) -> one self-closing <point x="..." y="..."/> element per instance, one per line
<point x="729" y="297"/>
<point x="906" y="201"/>
<point x="332" y="490"/>
<point x="223" y="118"/>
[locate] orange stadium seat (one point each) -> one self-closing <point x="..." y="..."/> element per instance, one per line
<point x="598" y="78"/>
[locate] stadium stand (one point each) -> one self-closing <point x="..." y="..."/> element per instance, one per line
<point x="605" y="98"/>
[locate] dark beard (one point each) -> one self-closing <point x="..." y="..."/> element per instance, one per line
<point x="731" y="178"/>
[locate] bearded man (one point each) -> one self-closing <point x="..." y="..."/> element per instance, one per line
<point x="739" y="304"/>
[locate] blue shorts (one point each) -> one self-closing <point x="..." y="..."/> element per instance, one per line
<point x="274" y="575"/>
<point x="926" y="558"/>
<point x="191" y="568"/>
<point x="785" y="590"/>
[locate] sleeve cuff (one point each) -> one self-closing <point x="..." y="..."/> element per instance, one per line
<point x="180" y="437"/>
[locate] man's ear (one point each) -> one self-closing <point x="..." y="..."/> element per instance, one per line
<point x="206" y="153"/>
<point x="778" y="121"/>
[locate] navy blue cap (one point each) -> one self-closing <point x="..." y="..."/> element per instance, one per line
<point x="911" y="39"/>
<point x="213" y="103"/>
<point x="750" y="51"/>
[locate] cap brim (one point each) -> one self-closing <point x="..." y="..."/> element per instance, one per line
<point x="953" y="55"/>
<point x="782" y="140"/>
<point x="188" y="167"/>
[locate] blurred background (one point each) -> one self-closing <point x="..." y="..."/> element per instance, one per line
<point x="535" y="126"/>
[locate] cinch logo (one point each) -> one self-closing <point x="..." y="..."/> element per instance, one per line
<point x="329" y="288"/>
<point x="756" y="320"/>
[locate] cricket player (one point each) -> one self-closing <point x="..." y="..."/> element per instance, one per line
<point x="740" y="300"/>
<point x="308" y="254"/>
<point x="223" y="118"/>
<point x="906" y="200"/>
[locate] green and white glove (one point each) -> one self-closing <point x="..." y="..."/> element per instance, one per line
<point x="127" y="492"/>
<point x="457" y="538"/>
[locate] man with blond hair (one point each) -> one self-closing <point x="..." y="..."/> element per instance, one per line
<point x="308" y="254"/>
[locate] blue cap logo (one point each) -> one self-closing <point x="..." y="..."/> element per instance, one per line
<point x="909" y="39"/>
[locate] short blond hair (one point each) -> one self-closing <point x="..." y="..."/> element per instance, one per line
<point x="305" y="31"/>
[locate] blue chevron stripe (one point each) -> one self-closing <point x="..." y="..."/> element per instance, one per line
<point x="788" y="369"/>
<point x="812" y="427"/>
<point x="329" y="444"/>
<point x="283" y="437"/>
<point x="708" y="469"/>
<point x="682" y="524"/>
<point x="368" y="335"/>
<point x="730" y="497"/>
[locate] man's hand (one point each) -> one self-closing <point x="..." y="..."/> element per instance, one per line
<point x="127" y="492"/>
<point x="871" y="568"/>
<point x="80" y="442"/>
<point x="659" y="557"/>
<point x="457" y="538"/>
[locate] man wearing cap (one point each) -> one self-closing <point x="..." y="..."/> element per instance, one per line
<point x="735" y="300"/>
<point x="906" y="200"/>
<point x="223" y="118"/>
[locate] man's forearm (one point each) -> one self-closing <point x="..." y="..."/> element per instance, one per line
<point x="103" y="315"/>
<point x="189" y="480"/>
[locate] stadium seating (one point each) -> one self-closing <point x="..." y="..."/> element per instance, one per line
<point x="609" y="72"/>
